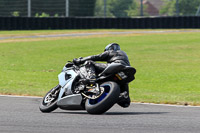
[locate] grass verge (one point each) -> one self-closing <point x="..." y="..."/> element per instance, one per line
<point x="167" y="64"/>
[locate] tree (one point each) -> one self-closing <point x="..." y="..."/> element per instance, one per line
<point x="81" y="7"/>
<point x="47" y="7"/>
<point x="117" y="8"/>
<point x="58" y="7"/>
<point x="13" y="8"/>
<point x="185" y="7"/>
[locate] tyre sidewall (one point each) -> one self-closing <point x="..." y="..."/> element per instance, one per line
<point x="49" y="108"/>
<point x="107" y="102"/>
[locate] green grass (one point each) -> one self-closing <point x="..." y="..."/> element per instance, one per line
<point x="46" y="32"/>
<point x="167" y="64"/>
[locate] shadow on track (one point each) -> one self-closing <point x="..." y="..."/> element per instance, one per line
<point x="116" y="113"/>
<point x="135" y="113"/>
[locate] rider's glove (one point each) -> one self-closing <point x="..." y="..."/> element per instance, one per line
<point x="77" y="61"/>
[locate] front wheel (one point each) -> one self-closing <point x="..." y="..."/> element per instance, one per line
<point x="49" y="101"/>
<point x="105" y="101"/>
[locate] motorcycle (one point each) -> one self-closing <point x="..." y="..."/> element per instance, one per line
<point x="72" y="94"/>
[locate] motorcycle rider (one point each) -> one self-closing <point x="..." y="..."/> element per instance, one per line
<point x="111" y="54"/>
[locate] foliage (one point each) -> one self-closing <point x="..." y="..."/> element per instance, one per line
<point x="16" y="14"/>
<point x="56" y="15"/>
<point x="186" y="7"/>
<point x="42" y="15"/>
<point x="133" y="10"/>
<point x="81" y="7"/>
<point x="117" y="8"/>
<point x="50" y="7"/>
<point x="10" y="8"/>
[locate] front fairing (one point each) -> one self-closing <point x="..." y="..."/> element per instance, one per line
<point x="65" y="76"/>
<point x="64" y="69"/>
<point x="66" y="80"/>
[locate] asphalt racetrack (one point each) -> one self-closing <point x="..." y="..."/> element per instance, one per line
<point x="22" y="115"/>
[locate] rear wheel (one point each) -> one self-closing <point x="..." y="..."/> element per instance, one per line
<point x="49" y="101"/>
<point x="105" y="101"/>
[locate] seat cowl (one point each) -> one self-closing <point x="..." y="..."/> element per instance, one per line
<point x="112" y="68"/>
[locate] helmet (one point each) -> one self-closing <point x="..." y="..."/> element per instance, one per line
<point x="112" y="46"/>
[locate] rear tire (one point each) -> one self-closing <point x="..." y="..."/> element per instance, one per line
<point x="104" y="102"/>
<point x="49" y="102"/>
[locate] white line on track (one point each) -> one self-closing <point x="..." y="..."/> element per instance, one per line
<point x="98" y="33"/>
<point x="19" y="96"/>
<point x="168" y="105"/>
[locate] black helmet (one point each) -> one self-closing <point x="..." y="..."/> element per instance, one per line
<point x="112" y="46"/>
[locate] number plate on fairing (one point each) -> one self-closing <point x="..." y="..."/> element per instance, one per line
<point x="121" y="75"/>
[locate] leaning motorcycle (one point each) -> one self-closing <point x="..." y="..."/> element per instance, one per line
<point x="72" y="94"/>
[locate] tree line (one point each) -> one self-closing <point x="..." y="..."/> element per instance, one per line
<point x="180" y="7"/>
<point x="112" y="8"/>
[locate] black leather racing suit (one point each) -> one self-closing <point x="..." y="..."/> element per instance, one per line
<point x="110" y="57"/>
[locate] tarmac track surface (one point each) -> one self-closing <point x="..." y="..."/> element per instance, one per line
<point x="22" y="115"/>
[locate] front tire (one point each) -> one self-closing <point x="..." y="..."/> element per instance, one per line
<point x="49" y="101"/>
<point x="105" y="101"/>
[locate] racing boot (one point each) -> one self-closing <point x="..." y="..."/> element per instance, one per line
<point x="124" y="99"/>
